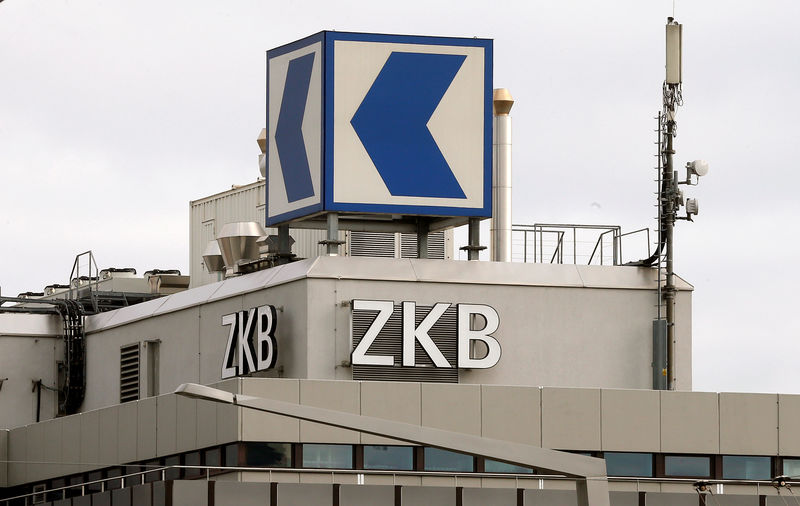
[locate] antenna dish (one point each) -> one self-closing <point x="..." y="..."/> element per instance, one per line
<point x="698" y="167"/>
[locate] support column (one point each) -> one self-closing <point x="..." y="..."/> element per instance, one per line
<point x="423" y="229"/>
<point x="333" y="234"/>
<point x="284" y="247"/>
<point x="332" y="242"/>
<point x="473" y="247"/>
<point x="593" y="492"/>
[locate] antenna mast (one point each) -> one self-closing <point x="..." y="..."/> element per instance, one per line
<point x="670" y="196"/>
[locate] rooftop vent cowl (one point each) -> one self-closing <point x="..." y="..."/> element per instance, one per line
<point x="212" y="257"/>
<point x="239" y="241"/>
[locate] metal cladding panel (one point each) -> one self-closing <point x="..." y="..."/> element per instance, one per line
<point x="379" y="124"/>
<point x="389" y="342"/>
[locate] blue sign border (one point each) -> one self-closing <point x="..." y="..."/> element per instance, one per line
<point x="313" y="208"/>
<point x="327" y="166"/>
<point x="330" y="205"/>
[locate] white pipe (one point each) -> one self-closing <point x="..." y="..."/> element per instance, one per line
<point x="501" y="179"/>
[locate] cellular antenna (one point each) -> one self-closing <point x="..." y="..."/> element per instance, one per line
<point x="670" y="200"/>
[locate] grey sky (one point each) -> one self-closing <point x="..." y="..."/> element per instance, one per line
<point x="113" y="115"/>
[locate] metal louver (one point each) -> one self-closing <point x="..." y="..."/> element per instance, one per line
<point x="390" y="342"/>
<point x="129" y="373"/>
<point x="372" y="244"/>
<point x="408" y="245"/>
<point x="384" y="244"/>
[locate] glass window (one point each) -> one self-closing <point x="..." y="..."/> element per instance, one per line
<point x="114" y="484"/>
<point x="629" y="464"/>
<point x="495" y="466"/>
<point x="232" y="455"/>
<point x="192" y="459"/>
<point x="136" y="479"/>
<point x="686" y="465"/>
<point x="172" y="473"/>
<point x="213" y="458"/>
<point x="77" y="480"/>
<point x="398" y="458"/>
<point x="791" y="468"/>
<point x="268" y="454"/>
<point x="444" y="460"/>
<point x="328" y="456"/>
<point x="94" y="487"/>
<point x="735" y="467"/>
<point x="57" y="483"/>
<point x="154" y="475"/>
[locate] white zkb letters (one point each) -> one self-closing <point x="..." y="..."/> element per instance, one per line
<point x="413" y="334"/>
<point x="251" y="342"/>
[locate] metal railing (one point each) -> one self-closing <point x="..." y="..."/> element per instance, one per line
<point x="573" y="244"/>
<point x="206" y="473"/>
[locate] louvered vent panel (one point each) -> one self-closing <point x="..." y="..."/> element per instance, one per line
<point x="390" y="342"/>
<point x="372" y="244"/>
<point x="129" y="373"/>
<point x="408" y="245"/>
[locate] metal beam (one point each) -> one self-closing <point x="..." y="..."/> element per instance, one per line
<point x="592" y="483"/>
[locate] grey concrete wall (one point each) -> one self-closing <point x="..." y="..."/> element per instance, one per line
<point x="241" y="494"/>
<point x="128" y="432"/>
<point x="561" y="418"/>
<point x="24" y="359"/>
<point x="192" y="343"/>
<point x="3" y="458"/>
<point x="550" y="335"/>
<point x="560" y="325"/>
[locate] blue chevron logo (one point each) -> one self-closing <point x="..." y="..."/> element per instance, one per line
<point x="391" y="123"/>
<point x="289" y="134"/>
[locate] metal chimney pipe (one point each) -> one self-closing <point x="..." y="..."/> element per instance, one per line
<point x="501" y="179"/>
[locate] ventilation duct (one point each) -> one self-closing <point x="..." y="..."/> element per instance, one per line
<point x="212" y="257"/>
<point x="239" y="241"/>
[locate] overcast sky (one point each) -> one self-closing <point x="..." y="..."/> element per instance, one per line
<point x="114" y="115"/>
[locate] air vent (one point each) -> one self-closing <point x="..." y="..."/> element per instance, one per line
<point x="408" y="245"/>
<point x="390" y="342"/>
<point x="129" y="373"/>
<point x="372" y="244"/>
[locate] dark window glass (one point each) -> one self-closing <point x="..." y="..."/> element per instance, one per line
<point x="55" y="496"/>
<point x="629" y="464"/>
<point x="328" y="456"/>
<point x="791" y="467"/>
<point x="213" y="457"/>
<point x="396" y="458"/>
<point x="192" y="459"/>
<point x="172" y="473"/>
<point x="74" y="482"/>
<point x="232" y="455"/>
<point x="735" y="467"/>
<point x="268" y="454"/>
<point x="495" y="466"/>
<point x="114" y="484"/>
<point x="94" y="476"/>
<point x="153" y="475"/>
<point x="136" y="479"/>
<point x="444" y="460"/>
<point x="685" y="465"/>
